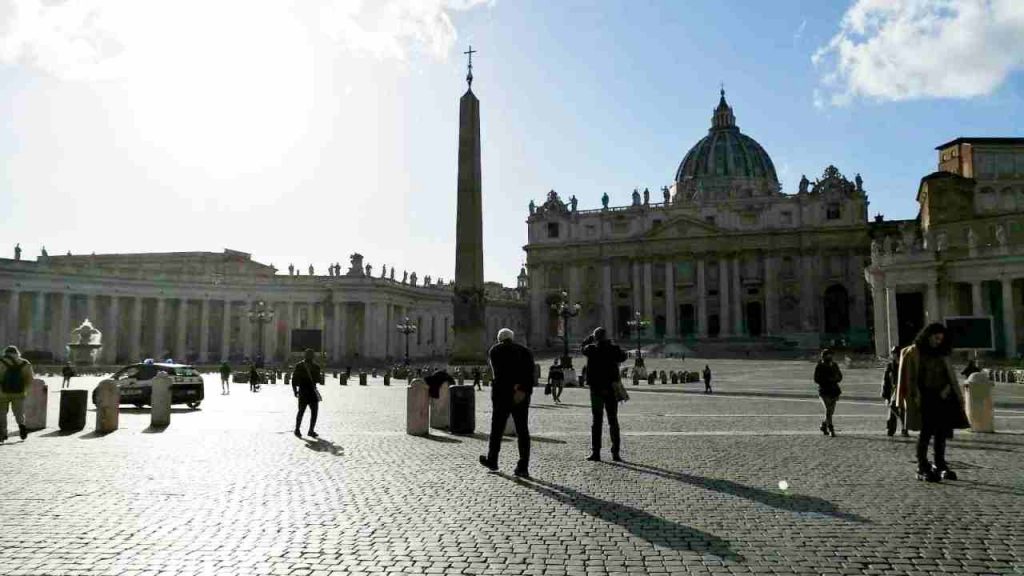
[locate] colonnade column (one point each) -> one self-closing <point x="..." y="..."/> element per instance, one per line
<point x="702" y="301"/>
<point x="724" y="301"/>
<point x="247" y="331"/>
<point x="336" y="331"/>
<point x="113" y="326"/>
<point x="36" y="336"/>
<point x="637" y="295"/>
<point x="575" y="290"/>
<point x="737" y="299"/>
<point x="64" y="327"/>
<point x="977" y="309"/>
<point x="881" y="330"/>
<point x="225" y="332"/>
<point x="931" y="302"/>
<point x="158" y="338"/>
<point x="771" y="297"/>
<point x="891" y="321"/>
<point x="180" y="327"/>
<point x="606" y="297"/>
<point x="808" y="298"/>
<point x="90" y="307"/>
<point x="1009" y="317"/>
<point x="671" y="324"/>
<point x="204" y="330"/>
<point x="135" y="330"/>
<point x="367" y="330"/>
<point x="13" y="318"/>
<point x="649" y="296"/>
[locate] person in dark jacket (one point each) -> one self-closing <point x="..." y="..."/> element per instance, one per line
<point x="15" y="381"/>
<point x="254" y="378"/>
<point x="895" y="413"/>
<point x="603" y="359"/>
<point x="707" y="379"/>
<point x="304" y="380"/>
<point x="513" y="369"/>
<point x="828" y="376"/>
<point x="556" y="381"/>
<point x="928" y="391"/>
<point x="225" y="377"/>
<point x="66" y="372"/>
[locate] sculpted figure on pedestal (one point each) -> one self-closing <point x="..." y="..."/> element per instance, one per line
<point x="392" y="273"/>
<point x="573" y="202"/>
<point x="412" y="279"/>
<point x="533" y="208"/>
<point x="647" y="196"/>
<point x="636" y="197"/>
<point x="405" y="276"/>
<point x="369" y="270"/>
<point x="604" y="201"/>
<point x="804" y="183"/>
<point x="666" y="194"/>
<point x="17" y="251"/>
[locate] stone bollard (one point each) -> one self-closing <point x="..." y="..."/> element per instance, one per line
<point x="978" y="400"/>
<point x="160" y="402"/>
<point x="72" y="410"/>
<point x="387" y="379"/>
<point x="108" y="406"/>
<point x="417" y="408"/>
<point x="439" y="408"/>
<point x="362" y="378"/>
<point x="343" y="379"/>
<point x="462" y="409"/>
<point x="35" y="406"/>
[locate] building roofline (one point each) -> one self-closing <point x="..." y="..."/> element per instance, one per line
<point x="980" y="140"/>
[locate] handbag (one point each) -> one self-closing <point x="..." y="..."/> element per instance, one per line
<point x="621" y="395"/>
<point x="309" y="375"/>
<point x="547" y="389"/>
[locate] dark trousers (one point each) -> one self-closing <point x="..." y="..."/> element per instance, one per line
<point x="314" y="407"/>
<point x="932" y="426"/>
<point x="519" y="413"/>
<point x="829" y="402"/>
<point x="707" y="384"/>
<point x="599" y="404"/>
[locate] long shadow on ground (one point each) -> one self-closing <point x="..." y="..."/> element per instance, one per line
<point x="787" y="502"/>
<point x="644" y="525"/>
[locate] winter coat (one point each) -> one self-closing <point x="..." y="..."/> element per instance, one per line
<point x="908" y="396"/>
<point x="827" y="377"/>
<point x="22" y="365"/>
<point x="603" y="360"/>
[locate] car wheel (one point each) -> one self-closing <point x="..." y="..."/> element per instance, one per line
<point x="193" y="405"/>
<point x="139" y="406"/>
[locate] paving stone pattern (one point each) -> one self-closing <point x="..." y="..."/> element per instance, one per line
<point x="228" y="489"/>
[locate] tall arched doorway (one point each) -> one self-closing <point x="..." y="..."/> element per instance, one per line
<point x="755" y="326"/>
<point x="837" y="310"/>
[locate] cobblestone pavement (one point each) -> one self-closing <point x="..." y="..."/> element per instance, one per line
<point x="227" y="489"/>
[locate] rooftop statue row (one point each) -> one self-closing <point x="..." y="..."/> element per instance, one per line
<point x="359" y="270"/>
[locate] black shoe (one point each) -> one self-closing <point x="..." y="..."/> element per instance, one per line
<point x="831" y="431"/>
<point x="616" y="458"/>
<point x="595" y="457"/>
<point x="297" y="433"/>
<point x="521" y="473"/>
<point x="492" y="466"/>
<point x="23" y="432"/>
<point x="929" y="475"/>
<point x="824" y="428"/>
<point x="945" y="473"/>
<point x="905" y="433"/>
<point x="313" y="434"/>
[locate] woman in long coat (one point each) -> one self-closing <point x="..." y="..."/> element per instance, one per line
<point x="931" y="398"/>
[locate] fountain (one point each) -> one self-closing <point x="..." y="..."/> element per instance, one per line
<point x="85" y="344"/>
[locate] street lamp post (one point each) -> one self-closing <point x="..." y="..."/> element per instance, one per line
<point x="638" y="324"/>
<point x="406" y="328"/>
<point x="260" y="315"/>
<point x="566" y="311"/>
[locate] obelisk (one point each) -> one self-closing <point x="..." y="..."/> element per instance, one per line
<point x="470" y="348"/>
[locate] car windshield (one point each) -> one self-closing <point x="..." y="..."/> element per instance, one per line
<point x="125" y="373"/>
<point x="184" y="371"/>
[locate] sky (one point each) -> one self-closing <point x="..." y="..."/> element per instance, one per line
<point x="302" y="131"/>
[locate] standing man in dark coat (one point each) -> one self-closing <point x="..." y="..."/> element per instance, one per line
<point x="603" y="359"/>
<point x="512" y="366"/>
<point x="304" y="380"/>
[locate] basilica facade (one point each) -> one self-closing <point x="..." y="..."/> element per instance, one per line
<point x="722" y="254"/>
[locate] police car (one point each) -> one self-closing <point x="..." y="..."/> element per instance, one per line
<point x="135" y="383"/>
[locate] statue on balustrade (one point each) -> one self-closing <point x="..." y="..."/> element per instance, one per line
<point x="291" y="270"/>
<point x="804" y="183"/>
<point x="533" y="208"/>
<point x="666" y="194"/>
<point x="412" y="279"/>
<point x="392" y="276"/>
<point x="604" y="201"/>
<point x="636" y="197"/>
<point x="647" y="196"/>
<point x="859" y="182"/>
<point x="17" y="251"/>
<point x="383" y="270"/>
<point x="405" y="276"/>
<point x="573" y="202"/>
<point x="369" y="271"/>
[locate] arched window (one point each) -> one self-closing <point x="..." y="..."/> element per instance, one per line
<point x="837" y="310"/>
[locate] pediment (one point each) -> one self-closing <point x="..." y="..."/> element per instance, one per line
<point x="682" y="227"/>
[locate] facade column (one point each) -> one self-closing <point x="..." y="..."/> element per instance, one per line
<point x="648" y="282"/>
<point x="637" y="294"/>
<point x="289" y="325"/>
<point x="35" y="338"/>
<point x="1009" y="317"/>
<point x="180" y="324"/>
<point x="738" y="316"/>
<point x="671" y="323"/>
<point x="771" y="296"/>
<point x="858" y="293"/>
<point x="247" y="331"/>
<point x="606" y="297"/>
<point x="135" y="331"/>
<point x="808" y="297"/>
<point x="575" y="295"/>
<point x="113" y="329"/>
<point x="702" y="301"/>
<point x="931" y="303"/>
<point x="881" y="329"/>
<point x="13" y="318"/>
<point x="204" y="331"/>
<point x="724" y="299"/>
<point x="225" y="332"/>
<point x="538" y="313"/>
<point x="977" y="309"/>
<point x="158" y="337"/>
<point x="90" y="307"/>
<point x="892" y="325"/>
<point x="64" y="326"/>
<point x="368" y="329"/>
<point x="336" y="331"/>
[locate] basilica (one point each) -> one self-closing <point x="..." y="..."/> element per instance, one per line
<point x="723" y="254"/>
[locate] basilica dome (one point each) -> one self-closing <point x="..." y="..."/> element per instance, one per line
<point x="726" y="162"/>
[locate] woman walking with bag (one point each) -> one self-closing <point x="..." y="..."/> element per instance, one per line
<point x="930" y="395"/>
<point x="828" y="376"/>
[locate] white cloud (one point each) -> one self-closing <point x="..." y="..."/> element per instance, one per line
<point x="893" y="50"/>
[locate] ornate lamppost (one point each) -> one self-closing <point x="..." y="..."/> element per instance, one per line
<point x="406" y="328"/>
<point x="260" y="315"/>
<point x="565" y="311"/>
<point x="638" y="324"/>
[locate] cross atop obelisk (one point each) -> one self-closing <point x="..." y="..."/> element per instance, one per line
<point x="469" y="76"/>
